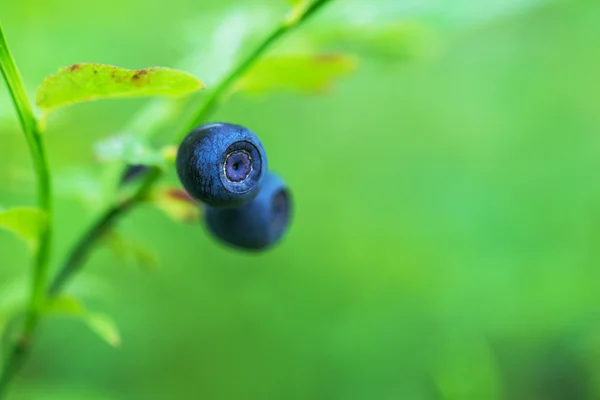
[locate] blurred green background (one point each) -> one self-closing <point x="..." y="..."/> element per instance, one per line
<point x="446" y="234"/>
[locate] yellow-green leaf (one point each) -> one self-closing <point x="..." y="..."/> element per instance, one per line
<point x="105" y="327"/>
<point x="177" y="204"/>
<point x="68" y="305"/>
<point x="130" y="149"/>
<point x="298" y="8"/>
<point x="126" y="249"/>
<point x="90" y="81"/>
<point x="101" y="324"/>
<point x="303" y="73"/>
<point x="24" y="222"/>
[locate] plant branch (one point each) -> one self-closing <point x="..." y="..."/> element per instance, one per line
<point x="81" y="250"/>
<point x="221" y="91"/>
<point x="35" y="142"/>
<point x="103" y="224"/>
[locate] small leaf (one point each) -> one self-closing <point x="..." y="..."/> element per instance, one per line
<point x="395" y="40"/>
<point x="130" y="149"/>
<point x="66" y="304"/>
<point x="169" y="153"/>
<point x="126" y="249"/>
<point x="145" y="257"/>
<point x="177" y="204"/>
<point x="90" y="287"/>
<point x="90" y="81"/>
<point x="13" y="293"/>
<point x="105" y="327"/>
<point x="298" y="8"/>
<point x="303" y="73"/>
<point x="24" y="222"/>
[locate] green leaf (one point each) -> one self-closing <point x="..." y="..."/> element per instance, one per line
<point x="24" y="222"/>
<point x="126" y="249"/>
<point x="13" y="293"/>
<point x="131" y="149"/>
<point x="66" y="304"/>
<point x="397" y="40"/>
<point x="90" y="81"/>
<point x="302" y="73"/>
<point x="103" y="325"/>
<point x="298" y="8"/>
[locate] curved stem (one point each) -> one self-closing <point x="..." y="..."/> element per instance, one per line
<point x="35" y="141"/>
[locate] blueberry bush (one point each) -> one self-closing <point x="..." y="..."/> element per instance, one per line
<point x="423" y="228"/>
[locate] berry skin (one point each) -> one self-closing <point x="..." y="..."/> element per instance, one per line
<point x="258" y="224"/>
<point x="221" y="164"/>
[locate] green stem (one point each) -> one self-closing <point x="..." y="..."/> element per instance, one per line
<point x="35" y="141"/>
<point x="99" y="228"/>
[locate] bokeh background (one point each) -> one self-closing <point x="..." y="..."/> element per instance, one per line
<point x="446" y="235"/>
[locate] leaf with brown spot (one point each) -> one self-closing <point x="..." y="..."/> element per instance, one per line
<point x="91" y="81"/>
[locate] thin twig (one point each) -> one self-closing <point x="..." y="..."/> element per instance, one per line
<point x="81" y="250"/>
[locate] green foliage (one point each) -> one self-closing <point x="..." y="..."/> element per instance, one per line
<point x="101" y="324"/>
<point x="105" y="327"/>
<point x="393" y="41"/>
<point x="444" y="242"/>
<point x="24" y="222"/>
<point x="298" y="7"/>
<point x="90" y="81"/>
<point x="302" y="73"/>
<point x="126" y="249"/>
<point x="131" y="149"/>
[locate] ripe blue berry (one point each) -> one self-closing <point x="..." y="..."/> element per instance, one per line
<point x="221" y="164"/>
<point x="258" y="224"/>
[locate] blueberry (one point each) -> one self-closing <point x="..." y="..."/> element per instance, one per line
<point x="221" y="164"/>
<point x="133" y="172"/>
<point x="258" y="224"/>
